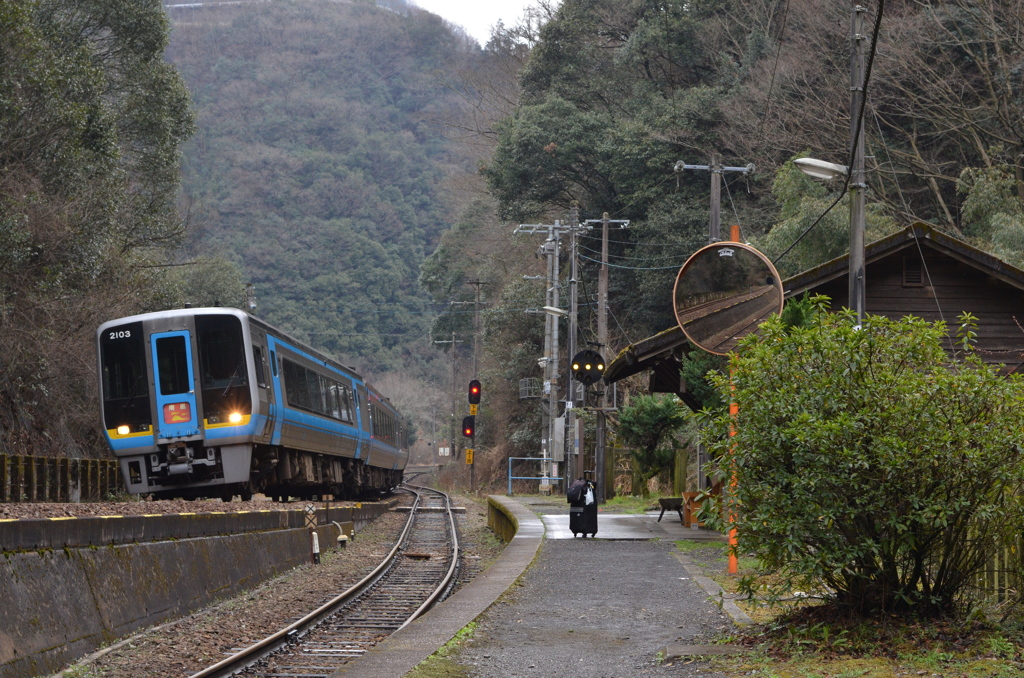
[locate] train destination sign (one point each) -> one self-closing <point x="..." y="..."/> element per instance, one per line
<point x="723" y="292"/>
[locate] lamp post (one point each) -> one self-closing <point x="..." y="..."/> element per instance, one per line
<point x="826" y="170"/>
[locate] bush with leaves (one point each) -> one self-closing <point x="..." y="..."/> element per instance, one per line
<point x="649" y="425"/>
<point x="871" y="464"/>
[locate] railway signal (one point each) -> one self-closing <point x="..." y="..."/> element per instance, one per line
<point x="474" y="396"/>
<point x="469" y="426"/>
<point x="587" y="367"/>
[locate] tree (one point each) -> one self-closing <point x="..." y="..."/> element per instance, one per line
<point x="649" y="425"/>
<point x="91" y="117"/>
<point x="801" y="201"/>
<point x="870" y="464"/>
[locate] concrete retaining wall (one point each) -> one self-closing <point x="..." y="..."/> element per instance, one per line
<point x="59" y="533"/>
<point x="501" y="519"/>
<point x="58" y="604"/>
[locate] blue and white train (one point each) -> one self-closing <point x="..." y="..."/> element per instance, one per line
<point x="212" y="402"/>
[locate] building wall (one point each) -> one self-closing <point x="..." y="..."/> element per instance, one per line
<point x="955" y="287"/>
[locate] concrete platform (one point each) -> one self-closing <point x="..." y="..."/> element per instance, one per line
<point x="622" y="526"/>
<point x="405" y="649"/>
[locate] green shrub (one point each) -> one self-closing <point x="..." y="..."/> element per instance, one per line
<point x="871" y="461"/>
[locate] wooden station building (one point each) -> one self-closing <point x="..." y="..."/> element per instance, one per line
<point x="917" y="271"/>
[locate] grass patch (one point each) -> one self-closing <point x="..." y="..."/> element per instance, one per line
<point x="802" y="637"/>
<point x="630" y="504"/>
<point x="821" y="641"/>
<point x="688" y="545"/>
<point x="440" y="664"/>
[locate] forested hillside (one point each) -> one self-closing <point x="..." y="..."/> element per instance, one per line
<point x="319" y="164"/>
<point x="613" y="93"/>
<point x="361" y="163"/>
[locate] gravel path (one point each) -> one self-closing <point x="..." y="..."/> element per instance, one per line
<point x="595" y="609"/>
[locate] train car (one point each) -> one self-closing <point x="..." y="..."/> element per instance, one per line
<point x="212" y="402"/>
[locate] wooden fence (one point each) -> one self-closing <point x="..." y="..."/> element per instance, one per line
<point x="1001" y="580"/>
<point x="25" y="478"/>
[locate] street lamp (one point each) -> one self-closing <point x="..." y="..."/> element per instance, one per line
<point x="819" y="169"/>
<point x="827" y="170"/>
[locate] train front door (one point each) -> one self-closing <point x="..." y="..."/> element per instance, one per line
<point x="177" y="416"/>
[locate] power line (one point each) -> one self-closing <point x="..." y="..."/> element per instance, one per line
<point x="633" y="257"/>
<point x="775" y="68"/>
<point x="635" y="268"/>
<point x="860" y="122"/>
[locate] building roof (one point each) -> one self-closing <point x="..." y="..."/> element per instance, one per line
<point x="919" y="233"/>
<point x="664" y="349"/>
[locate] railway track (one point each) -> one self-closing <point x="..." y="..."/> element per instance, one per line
<point x="719" y="323"/>
<point x="417" y="573"/>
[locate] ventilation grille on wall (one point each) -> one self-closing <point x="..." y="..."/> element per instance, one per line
<point x="913" y="272"/>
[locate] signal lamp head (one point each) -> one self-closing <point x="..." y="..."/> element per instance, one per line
<point x="474" y="392"/>
<point x="469" y="426"/>
<point x="587" y="367"/>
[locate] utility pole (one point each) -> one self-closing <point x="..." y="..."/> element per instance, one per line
<point x="572" y="462"/>
<point x="552" y="313"/>
<point x="476" y="320"/>
<point x="602" y="340"/>
<point x="716" y="169"/>
<point x="476" y="334"/>
<point x="451" y="428"/>
<point x="714" y="235"/>
<point x="857" y="291"/>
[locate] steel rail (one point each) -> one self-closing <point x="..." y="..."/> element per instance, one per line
<point x="252" y="654"/>
<point x="446" y="582"/>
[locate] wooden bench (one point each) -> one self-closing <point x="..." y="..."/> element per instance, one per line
<point x="671" y="504"/>
<point x="686" y="506"/>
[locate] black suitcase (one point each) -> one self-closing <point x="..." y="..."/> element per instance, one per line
<point x="583" y="520"/>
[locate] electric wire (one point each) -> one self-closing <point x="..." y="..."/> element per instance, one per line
<point x="680" y="243"/>
<point x="634" y="268"/>
<point x="729" y="193"/>
<point x="621" y="328"/>
<point x="857" y="131"/>
<point x="775" y="68"/>
<point x="917" y="242"/>
<point x="630" y="257"/>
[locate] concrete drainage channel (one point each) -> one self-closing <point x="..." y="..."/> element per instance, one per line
<point x="71" y="585"/>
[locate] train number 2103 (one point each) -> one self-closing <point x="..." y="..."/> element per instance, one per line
<point x="120" y="334"/>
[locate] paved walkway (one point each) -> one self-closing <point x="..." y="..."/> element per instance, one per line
<point x="622" y="604"/>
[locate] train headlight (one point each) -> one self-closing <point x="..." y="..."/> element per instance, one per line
<point x="124" y="430"/>
<point x="235" y="417"/>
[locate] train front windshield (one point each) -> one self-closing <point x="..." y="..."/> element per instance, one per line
<point x="125" y="379"/>
<point x="222" y="365"/>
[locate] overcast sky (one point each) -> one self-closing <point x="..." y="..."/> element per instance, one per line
<point x="477" y="16"/>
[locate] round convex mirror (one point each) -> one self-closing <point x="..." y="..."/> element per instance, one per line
<point x="723" y="292"/>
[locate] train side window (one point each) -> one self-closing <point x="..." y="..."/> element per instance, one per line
<point x="345" y="401"/>
<point x="257" y="359"/>
<point x="273" y="363"/>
